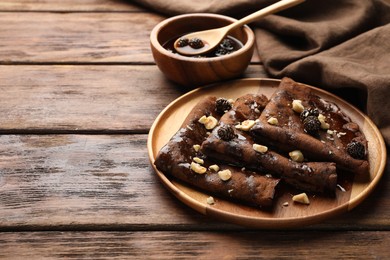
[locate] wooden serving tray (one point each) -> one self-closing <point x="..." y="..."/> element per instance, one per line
<point x="280" y="216"/>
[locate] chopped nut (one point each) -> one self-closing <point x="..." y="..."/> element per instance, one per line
<point x="260" y="148"/>
<point x="324" y="124"/>
<point x="198" y="160"/>
<point x="210" y="200"/>
<point x="196" y="167"/>
<point x="296" y="156"/>
<point x="225" y="175"/>
<point x="297" y="106"/>
<point x="273" y="121"/>
<point x="301" y="198"/>
<point x="341" y="188"/>
<point x="196" y="147"/>
<point x="340" y="134"/>
<point x="208" y="121"/>
<point x="203" y="120"/>
<point x="246" y="125"/>
<point x="231" y="101"/>
<point x="330" y="132"/>
<point x="214" y="167"/>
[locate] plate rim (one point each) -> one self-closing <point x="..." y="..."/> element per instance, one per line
<point x="263" y="222"/>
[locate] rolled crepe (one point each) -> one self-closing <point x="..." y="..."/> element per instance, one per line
<point x="176" y="156"/>
<point x="289" y="133"/>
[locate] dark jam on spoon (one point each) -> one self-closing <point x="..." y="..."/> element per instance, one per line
<point x="227" y="46"/>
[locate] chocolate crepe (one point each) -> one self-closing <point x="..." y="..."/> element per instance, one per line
<point x="339" y="45"/>
<point x="328" y="144"/>
<point x="238" y="150"/>
<point x="177" y="155"/>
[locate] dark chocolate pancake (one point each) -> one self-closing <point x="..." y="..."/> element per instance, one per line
<point x="181" y="158"/>
<point x="318" y="128"/>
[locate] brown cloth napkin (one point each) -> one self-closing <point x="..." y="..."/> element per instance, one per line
<point x="339" y="45"/>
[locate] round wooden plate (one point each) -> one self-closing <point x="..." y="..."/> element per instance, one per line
<point x="280" y="216"/>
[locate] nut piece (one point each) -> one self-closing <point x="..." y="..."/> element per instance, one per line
<point x="246" y="125"/>
<point x="214" y="167"/>
<point x="296" y="156"/>
<point x="260" y="148"/>
<point x="301" y="198"/>
<point x="273" y="121"/>
<point x="324" y="124"/>
<point x="297" y="106"/>
<point x="208" y="121"/>
<point x="225" y="175"/>
<point x="203" y="120"/>
<point x="196" y="167"/>
<point x="341" y="188"/>
<point x="198" y="160"/>
<point x="196" y="147"/>
<point x="210" y="200"/>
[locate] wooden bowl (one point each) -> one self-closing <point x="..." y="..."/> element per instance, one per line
<point x="193" y="71"/>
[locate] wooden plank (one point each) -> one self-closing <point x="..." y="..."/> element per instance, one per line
<point x="86" y="181"/>
<point x="196" y="245"/>
<point x="78" y="38"/>
<point x="69" y="5"/>
<point x="85" y="98"/>
<point x="62" y="182"/>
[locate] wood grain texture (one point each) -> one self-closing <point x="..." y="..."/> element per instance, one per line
<point x="82" y="182"/>
<point x="76" y="37"/>
<point x="105" y="182"/>
<point x="70" y="5"/>
<point x="196" y="245"/>
<point x="85" y="98"/>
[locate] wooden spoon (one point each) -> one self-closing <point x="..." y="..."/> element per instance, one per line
<point x="211" y="38"/>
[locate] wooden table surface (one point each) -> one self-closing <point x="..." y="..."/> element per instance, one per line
<point x="79" y="91"/>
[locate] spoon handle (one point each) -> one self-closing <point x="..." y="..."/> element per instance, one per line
<point x="276" y="7"/>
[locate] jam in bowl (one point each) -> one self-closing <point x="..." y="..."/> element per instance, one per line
<point x="228" y="45"/>
<point x="219" y="65"/>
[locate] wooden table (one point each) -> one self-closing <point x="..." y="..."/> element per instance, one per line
<point x="79" y="91"/>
